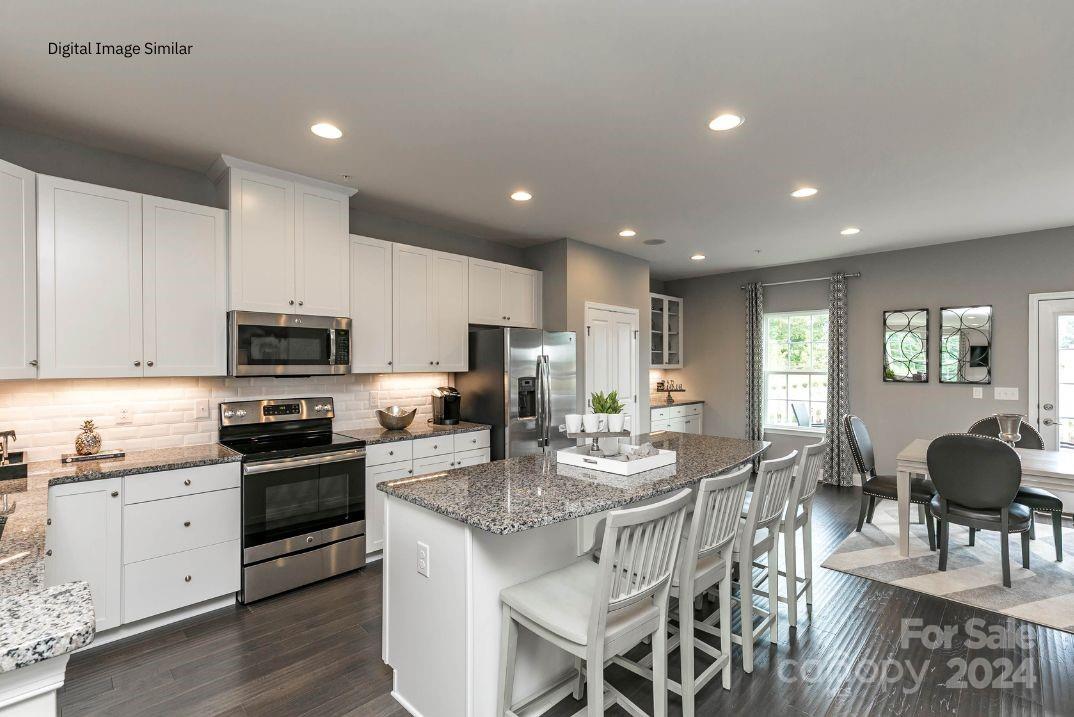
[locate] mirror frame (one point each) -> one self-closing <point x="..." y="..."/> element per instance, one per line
<point x="884" y="346"/>
<point x="991" y="337"/>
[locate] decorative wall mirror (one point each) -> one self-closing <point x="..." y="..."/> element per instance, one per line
<point x="966" y="344"/>
<point x="906" y="346"/>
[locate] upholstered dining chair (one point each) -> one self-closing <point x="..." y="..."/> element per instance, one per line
<point x="976" y="479"/>
<point x="882" y="487"/>
<point x="1036" y="499"/>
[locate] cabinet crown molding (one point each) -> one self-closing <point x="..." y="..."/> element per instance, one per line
<point x="226" y="162"/>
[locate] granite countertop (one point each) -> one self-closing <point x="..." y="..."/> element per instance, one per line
<point x="527" y="492"/>
<point x="45" y="623"/>
<point x="373" y="436"/>
<point x="22" y="542"/>
<point x="659" y="400"/>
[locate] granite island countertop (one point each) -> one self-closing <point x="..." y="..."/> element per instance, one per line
<point x="47" y="623"/>
<point x="517" y="494"/>
<point x="373" y="436"/>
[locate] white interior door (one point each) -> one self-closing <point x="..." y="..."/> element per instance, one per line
<point x="611" y="356"/>
<point x="1055" y="373"/>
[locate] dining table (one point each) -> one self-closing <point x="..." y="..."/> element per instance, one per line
<point x="1051" y="470"/>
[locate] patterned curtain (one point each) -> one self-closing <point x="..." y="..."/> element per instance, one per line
<point x="838" y="463"/>
<point x="754" y="361"/>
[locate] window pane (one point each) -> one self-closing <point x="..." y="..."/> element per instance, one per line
<point x="820" y="356"/>
<point x="798" y="355"/>
<point x="818" y="388"/>
<point x="1066" y="366"/>
<point x="775" y="357"/>
<point x="777" y="386"/>
<point x="1066" y="400"/>
<point x="777" y="413"/>
<point x="798" y="387"/>
<point x="777" y="328"/>
<point x="820" y="327"/>
<point x="1065" y="332"/>
<point x="799" y="327"/>
<point x="817" y="413"/>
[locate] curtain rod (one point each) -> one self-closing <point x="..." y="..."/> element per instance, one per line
<point x="855" y="275"/>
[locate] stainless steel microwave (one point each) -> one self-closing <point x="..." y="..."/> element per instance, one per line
<point x="287" y="344"/>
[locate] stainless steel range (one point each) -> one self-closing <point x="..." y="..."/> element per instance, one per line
<point x="303" y="493"/>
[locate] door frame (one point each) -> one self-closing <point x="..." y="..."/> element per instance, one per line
<point x="1034" y="338"/>
<point x="630" y="311"/>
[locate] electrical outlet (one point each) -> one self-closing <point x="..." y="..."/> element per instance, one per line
<point x="423" y="559"/>
<point x="978" y="392"/>
<point x="123" y="416"/>
<point x="201" y="409"/>
<point x="1006" y="394"/>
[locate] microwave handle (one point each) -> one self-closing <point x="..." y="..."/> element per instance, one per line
<point x="331" y="347"/>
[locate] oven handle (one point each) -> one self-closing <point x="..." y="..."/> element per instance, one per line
<point x="285" y="463"/>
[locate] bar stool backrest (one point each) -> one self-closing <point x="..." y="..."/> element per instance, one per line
<point x="638" y="557"/>
<point x="770" y="494"/>
<point x="806" y="476"/>
<point x="717" y="513"/>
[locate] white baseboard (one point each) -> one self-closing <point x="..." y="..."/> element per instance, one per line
<point x="152" y="623"/>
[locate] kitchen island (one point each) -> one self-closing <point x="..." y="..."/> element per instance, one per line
<point x="456" y="538"/>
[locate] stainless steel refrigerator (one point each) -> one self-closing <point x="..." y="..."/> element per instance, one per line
<point x="522" y="382"/>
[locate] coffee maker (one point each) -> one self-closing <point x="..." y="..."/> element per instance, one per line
<point x="447" y="405"/>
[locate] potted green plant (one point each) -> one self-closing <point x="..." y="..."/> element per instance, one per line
<point x="610" y="409"/>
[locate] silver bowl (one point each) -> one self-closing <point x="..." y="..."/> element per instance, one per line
<point x="396" y="418"/>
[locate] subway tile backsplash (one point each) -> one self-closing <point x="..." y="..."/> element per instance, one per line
<point x="47" y="415"/>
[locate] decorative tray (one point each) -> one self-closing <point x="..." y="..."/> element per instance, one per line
<point x="584" y="457"/>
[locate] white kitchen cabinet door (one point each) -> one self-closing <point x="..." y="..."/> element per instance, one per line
<point x="692" y="424"/>
<point x="487" y="293"/>
<point x="184" y="287"/>
<point x="90" y="274"/>
<point x="262" y="241"/>
<point x="677" y="424"/>
<point x="322" y="249"/>
<point x="374" y="500"/>
<point x="83" y="541"/>
<point x="450" y="304"/>
<point x="18" y="271"/>
<point x="413" y="332"/>
<point x="371" y="305"/>
<point x="521" y="297"/>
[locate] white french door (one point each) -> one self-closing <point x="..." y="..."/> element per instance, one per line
<point x="611" y="356"/>
<point x="1052" y="377"/>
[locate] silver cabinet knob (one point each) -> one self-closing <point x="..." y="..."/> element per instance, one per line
<point x="300" y="303"/>
<point x="34" y="362"/>
<point x="149" y="364"/>
<point x="430" y="363"/>
<point x="137" y="363"/>
<point x="186" y="524"/>
<point x="229" y="414"/>
<point x="239" y="413"/>
<point x="437" y="363"/>
<point x="291" y="302"/>
<point x="115" y="494"/>
<point x="187" y="579"/>
<point x="391" y="453"/>
<point x="409" y="471"/>
<point x="389" y="363"/>
<point x="48" y="553"/>
<point x="309" y="538"/>
<point x="186" y="482"/>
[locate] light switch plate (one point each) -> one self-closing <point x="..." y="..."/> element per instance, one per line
<point x="201" y="409"/>
<point x="1006" y="393"/>
<point x="978" y="392"/>
<point x="123" y="416"/>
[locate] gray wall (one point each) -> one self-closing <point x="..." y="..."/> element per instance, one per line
<point x="60" y="158"/>
<point x="1001" y="271"/>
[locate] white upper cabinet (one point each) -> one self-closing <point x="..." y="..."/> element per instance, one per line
<point x="18" y="271"/>
<point x="371" y="305"/>
<point x="666" y="331"/>
<point x="289" y="240"/>
<point x="322" y="249"/>
<point x="450" y="302"/>
<point x="184" y="287"/>
<point x="90" y="271"/>
<point x="262" y="243"/>
<point x="504" y="295"/>
<point x="413" y="333"/>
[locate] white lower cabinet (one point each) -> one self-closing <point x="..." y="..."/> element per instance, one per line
<point x="147" y="544"/>
<point x="682" y="419"/>
<point x="419" y="456"/>
<point x="83" y="541"/>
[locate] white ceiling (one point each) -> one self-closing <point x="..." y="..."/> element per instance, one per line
<point x="920" y="121"/>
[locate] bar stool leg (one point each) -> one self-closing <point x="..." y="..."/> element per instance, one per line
<point x="508" y="642"/>
<point x="579" y="680"/>
<point x="686" y="653"/>
<point x="1057" y="531"/>
<point x="807" y="553"/>
<point x="660" y="663"/>
<point x="773" y="591"/>
<point x="745" y="604"/>
<point x="725" y="623"/>
<point x="790" y="549"/>
<point x="594" y="676"/>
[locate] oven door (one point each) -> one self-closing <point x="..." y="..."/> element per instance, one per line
<point x="295" y="504"/>
<point x="287" y="345"/>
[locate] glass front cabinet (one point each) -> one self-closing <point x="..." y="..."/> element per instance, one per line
<point x="666" y="313"/>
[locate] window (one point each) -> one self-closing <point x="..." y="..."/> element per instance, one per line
<point x="796" y="369"/>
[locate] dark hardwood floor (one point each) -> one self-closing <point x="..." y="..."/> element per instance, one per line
<point x="316" y="651"/>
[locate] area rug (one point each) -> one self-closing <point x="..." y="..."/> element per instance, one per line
<point x="1044" y="594"/>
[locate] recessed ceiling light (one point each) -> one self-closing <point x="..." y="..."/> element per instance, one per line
<point x="654" y="242"/>
<point x="850" y="231"/>
<point x="698" y="257"/>
<point x="328" y="131"/>
<point x="724" y="122"/>
<point x="627" y="233"/>
<point x="521" y="196"/>
<point x="803" y="192"/>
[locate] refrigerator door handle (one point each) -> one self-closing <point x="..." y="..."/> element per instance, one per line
<point x="546" y="394"/>
<point x="539" y="408"/>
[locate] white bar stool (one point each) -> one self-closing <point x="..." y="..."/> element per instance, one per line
<point x="704" y="562"/>
<point x="799" y="516"/>
<point x="596" y="611"/>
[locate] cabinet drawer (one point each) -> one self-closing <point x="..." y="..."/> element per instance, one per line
<point x="436" y="446"/>
<point x="184" y="481"/>
<point x="393" y="452"/>
<point x="660" y="414"/>
<point x="163" y="527"/>
<point x="434" y="464"/>
<point x="677" y="411"/>
<point x="694" y="409"/>
<point x="153" y="587"/>
<point x="471" y="441"/>
<point x="472" y="458"/>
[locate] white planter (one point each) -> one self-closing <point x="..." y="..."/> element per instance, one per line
<point x="591" y="422"/>
<point x="616" y="421"/>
